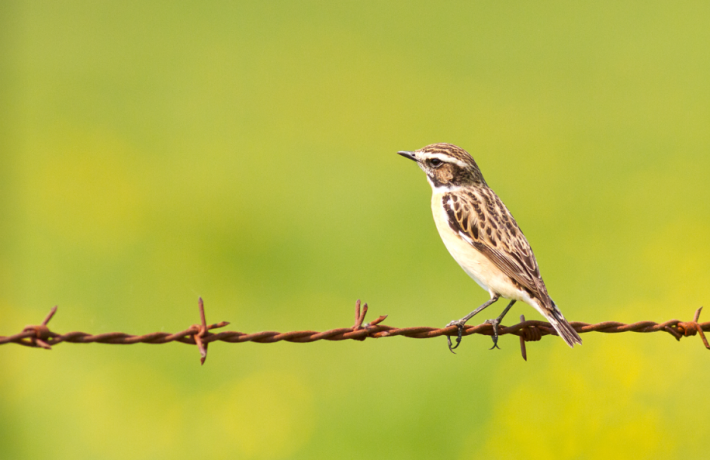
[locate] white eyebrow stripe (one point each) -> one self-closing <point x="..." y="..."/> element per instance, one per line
<point x="443" y="157"/>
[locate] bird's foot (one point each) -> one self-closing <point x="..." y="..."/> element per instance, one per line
<point x="459" y="325"/>
<point x="494" y="322"/>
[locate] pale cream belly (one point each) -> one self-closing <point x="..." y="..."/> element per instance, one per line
<point x="475" y="264"/>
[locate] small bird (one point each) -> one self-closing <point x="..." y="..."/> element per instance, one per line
<point x="482" y="236"/>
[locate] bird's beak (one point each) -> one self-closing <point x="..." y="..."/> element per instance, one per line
<point x="410" y="155"/>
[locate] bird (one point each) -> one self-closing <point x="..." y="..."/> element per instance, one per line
<point x="484" y="238"/>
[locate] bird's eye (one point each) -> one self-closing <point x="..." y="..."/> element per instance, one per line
<point x="435" y="162"/>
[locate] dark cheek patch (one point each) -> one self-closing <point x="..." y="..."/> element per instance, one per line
<point x="443" y="175"/>
<point x="434" y="177"/>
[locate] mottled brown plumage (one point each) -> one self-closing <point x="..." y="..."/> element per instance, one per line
<point x="481" y="216"/>
<point x="482" y="235"/>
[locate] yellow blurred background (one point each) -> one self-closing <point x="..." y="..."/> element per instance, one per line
<point x="154" y="152"/>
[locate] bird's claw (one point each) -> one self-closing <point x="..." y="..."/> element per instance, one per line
<point x="494" y="323"/>
<point x="459" y="325"/>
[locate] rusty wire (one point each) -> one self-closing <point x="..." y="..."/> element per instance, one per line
<point x="39" y="336"/>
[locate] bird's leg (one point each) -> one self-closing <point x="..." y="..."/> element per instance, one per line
<point x="496" y="322"/>
<point x="460" y="323"/>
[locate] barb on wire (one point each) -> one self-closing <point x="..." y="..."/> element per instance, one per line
<point x="39" y="336"/>
<point x="528" y="334"/>
<point x="360" y="317"/>
<point x="201" y="331"/>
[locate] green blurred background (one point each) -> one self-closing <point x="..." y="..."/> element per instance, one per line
<point x="154" y="152"/>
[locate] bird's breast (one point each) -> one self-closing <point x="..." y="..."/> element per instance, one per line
<point x="474" y="263"/>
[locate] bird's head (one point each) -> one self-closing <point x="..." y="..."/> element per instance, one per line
<point x="446" y="166"/>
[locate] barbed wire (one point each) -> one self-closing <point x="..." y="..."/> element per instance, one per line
<point x="40" y="336"/>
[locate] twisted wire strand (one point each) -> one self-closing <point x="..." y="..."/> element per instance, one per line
<point x="200" y="335"/>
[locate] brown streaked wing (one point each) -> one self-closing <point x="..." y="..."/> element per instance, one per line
<point x="486" y="223"/>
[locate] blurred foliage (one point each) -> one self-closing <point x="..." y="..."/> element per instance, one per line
<point x="154" y="152"/>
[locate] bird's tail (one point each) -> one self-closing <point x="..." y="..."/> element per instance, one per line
<point x="563" y="328"/>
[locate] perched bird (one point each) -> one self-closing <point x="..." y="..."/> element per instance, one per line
<point x="482" y="236"/>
